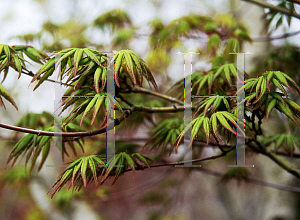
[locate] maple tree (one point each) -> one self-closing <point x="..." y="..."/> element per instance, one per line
<point x="214" y="118"/>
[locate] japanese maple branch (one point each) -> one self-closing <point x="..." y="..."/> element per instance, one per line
<point x="273" y="8"/>
<point x="99" y="131"/>
<point x="282" y="163"/>
<point x="211" y="172"/>
<point x="68" y="134"/>
<point x="189" y="161"/>
<point x="146" y="91"/>
<point x="260" y="39"/>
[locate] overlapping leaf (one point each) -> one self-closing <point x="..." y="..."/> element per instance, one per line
<point x="278" y="16"/>
<point x="202" y="82"/>
<point x="205" y="79"/>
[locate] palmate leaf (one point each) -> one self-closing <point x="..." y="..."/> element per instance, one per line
<point x="261" y="84"/>
<point x="123" y="161"/>
<point x="80" y="171"/>
<point x="79" y="60"/>
<point x="135" y="67"/>
<point x="287" y="142"/>
<point x="83" y="170"/>
<point x="212" y="104"/>
<point x="290" y="112"/>
<point x="86" y="62"/>
<point x="210" y="126"/>
<point x="258" y="92"/>
<point x="287" y="106"/>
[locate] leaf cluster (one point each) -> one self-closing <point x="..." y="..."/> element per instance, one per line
<point x="83" y="170"/>
<point x="287" y="142"/>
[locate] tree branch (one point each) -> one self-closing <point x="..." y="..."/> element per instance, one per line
<point x="254" y="181"/>
<point x="261" y="39"/>
<point x="294" y="1"/>
<point x="273" y="8"/>
<point x="146" y="91"/>
<point x="214" y="173"/>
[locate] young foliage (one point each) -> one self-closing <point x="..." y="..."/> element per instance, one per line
<point x="134" y="66"/>
<point x="287" y="142"/>
<point x="222" y="120"/>
<point x="82" y="170"/>
<point x="258" y="90"/>
<point x="85" y="105"/>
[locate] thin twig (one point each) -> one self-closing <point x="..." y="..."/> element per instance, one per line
<point x="146" y="91"/>
<point x="211" y="172"/>
<point x="261" y="39"/>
